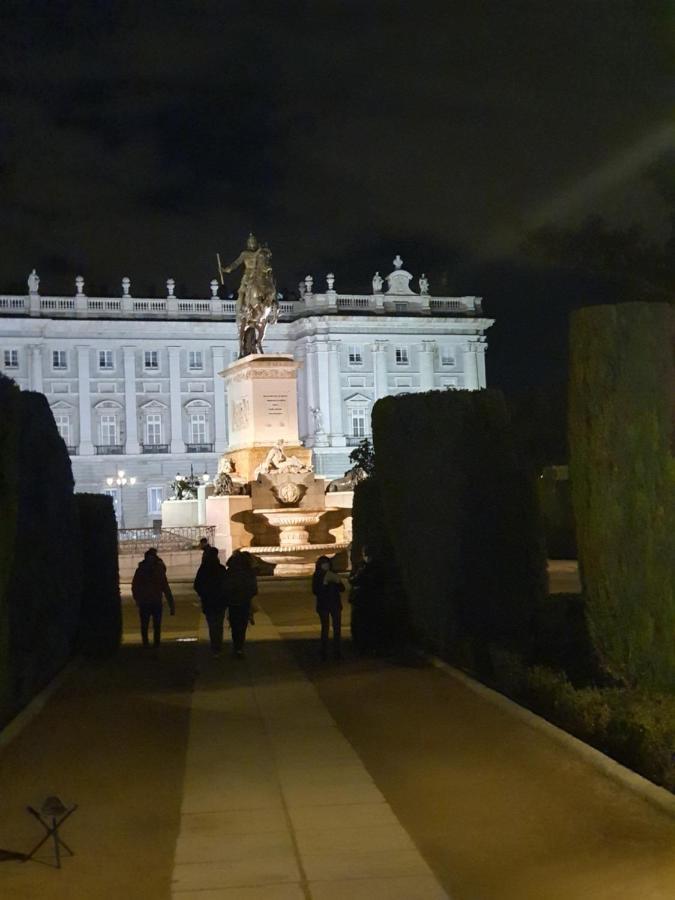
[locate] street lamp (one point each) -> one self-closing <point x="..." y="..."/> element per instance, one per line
<point x="121" y="481"/>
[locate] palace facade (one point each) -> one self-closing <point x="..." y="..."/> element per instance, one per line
<point x="134" y="383"/>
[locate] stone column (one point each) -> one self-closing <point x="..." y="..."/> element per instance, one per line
<point x="219" y="401"/>
<point x="86" y="447"/>
<point x="427" y="354"/>
<point x="36" y="368"/>
<point x="380" y="368"/>
<point x="177" y="442"/>
<point x="322" y="391"/>
<point x="311" y="394"/>
<point x="303" y="402"/>
<point x="471" y="377"/>
<point x="480" y="363"/>
<point x="337" y="435"/>
<point x="130" y="411"/>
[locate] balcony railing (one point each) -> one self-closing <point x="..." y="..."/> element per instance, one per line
<point x="72" y="451"/>
<point x="109" y="449"/>
<point x="354" y="440"/>
<point x="154" y="448"/>
<point x="199" y="448"/>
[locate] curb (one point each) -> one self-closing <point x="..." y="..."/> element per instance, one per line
<point x="645" y="789"/>
<point x="16" y="725"/>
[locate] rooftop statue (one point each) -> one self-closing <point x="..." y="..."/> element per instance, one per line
<point x="256" y="305"/>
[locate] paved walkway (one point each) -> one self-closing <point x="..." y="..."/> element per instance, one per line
<point x="276" y="803"/>
<point x="280" y="778"/>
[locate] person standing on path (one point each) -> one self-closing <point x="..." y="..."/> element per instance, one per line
<point x="241" y="587"/>
<point x="210" y="586"/>
<point x="148" y="586"/>
<point x="327" y="587"/>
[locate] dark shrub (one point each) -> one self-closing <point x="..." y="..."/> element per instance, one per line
<point x="555" y="498"/>
<point x="621" y="423"/>
<point x="100" y="631"/>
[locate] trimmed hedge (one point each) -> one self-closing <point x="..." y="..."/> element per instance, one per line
<point x="555" y="498"/>
<point x="100" y="632"/>
<point x="463" y="519"/>
<point x="391" y="624"/>
<point x="622" y="383"/>
<point x="43" y="589"/>
<point x="9" y="438"/>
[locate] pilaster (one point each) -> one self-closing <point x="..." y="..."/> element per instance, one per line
<point x="130" y="411"/>
<point x="219" y="410"/>
<point x="36" y="368"/>
<point x="427" y="356"/>
<point x="86" y="447"/>
<point x="471" y="374"/>
<point x="337" y="436"/>
<point x="177" y="442"/>
<point x="379" y="349"/>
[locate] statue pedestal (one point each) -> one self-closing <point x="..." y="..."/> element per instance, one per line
<point x="262" y="408"/>
<point x="262" y="400"/>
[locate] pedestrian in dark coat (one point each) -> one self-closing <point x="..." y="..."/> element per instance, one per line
<point x="148" y="586"/>
<point x="241" y="586"/>
<point x="327" y="587"/>
<point x="210" y="586"/>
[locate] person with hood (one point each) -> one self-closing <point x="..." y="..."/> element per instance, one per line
<point x="327" y="587"/>
<point x="148" y="586"/>
<point x="241" y="588"/>
<point x="210" y="586"/>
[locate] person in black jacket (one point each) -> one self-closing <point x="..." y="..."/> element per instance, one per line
<point x="327" y="587"/>
<point x="241" y="587"/>
<point x="210" y="585"/>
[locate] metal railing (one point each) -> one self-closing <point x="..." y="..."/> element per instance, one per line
<point x="138" y="540"/>
<point x="154" y="448"/>
<point x="199" y="448"/>
<point x="72" y="450"/>
<point x="109" y="449"/>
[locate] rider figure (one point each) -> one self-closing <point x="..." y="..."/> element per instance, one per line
<point x="256" y="305"/>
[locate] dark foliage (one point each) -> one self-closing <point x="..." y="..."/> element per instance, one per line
<point x="363" y="457"/>
<point x="621" y="422"/>
<point x="391" y="623"/>
<point x="9" y="435"/>
<point x="100" y="631"/>
<point x="555" y="499"/>
<point x="463" y="522"/>
<point x="43" y="588"/>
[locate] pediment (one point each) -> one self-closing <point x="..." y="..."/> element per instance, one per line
<point x="200" y="404"/>
<point x="359" y="399"/>
<point x="61" y="404"/>
<point x="108" y="404"/>
<point x="153" y="404"/>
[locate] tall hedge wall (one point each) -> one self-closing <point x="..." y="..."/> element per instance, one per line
<point x="9" y="437"/>
<point x="43" y="592"/>
<point x="100" y="631"/>
<point x="621" y="424"/>
<point x="463" y="518"/>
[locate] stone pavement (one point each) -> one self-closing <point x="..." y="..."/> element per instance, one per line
<point x="276" y="803"/>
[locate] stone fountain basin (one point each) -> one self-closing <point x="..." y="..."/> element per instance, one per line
<point x="280" y="518"/>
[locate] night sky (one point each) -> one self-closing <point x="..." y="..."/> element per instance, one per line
<point x="140" y="138"/>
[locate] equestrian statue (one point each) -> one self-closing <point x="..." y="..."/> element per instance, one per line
<point x="257" y="305"/>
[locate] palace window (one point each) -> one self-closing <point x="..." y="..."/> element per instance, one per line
<point x="59" y="359"/>
<point x="108" y="429"/>
<point x="359" y="421"/>
<point x="402" y="358"/>
<point x="11" y="358"/>
<point x="151" y="359"/>
<point x="447" y="356"/>
<point x="155" y="497"/>
<point x="105" y="359"/>
<point x="195" y="359"/>
<point x="63" y="426"/>
<point x="355" y="356"/>
<point x="153" y="428"/>
<point x="198" y="428"/>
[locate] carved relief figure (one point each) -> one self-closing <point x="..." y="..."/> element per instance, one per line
<point x="277" y="461"/>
